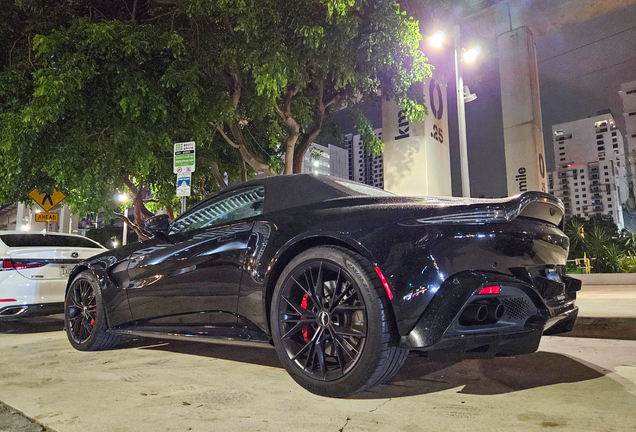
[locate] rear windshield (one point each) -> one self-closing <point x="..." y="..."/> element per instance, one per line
<point x="39" y="240"/>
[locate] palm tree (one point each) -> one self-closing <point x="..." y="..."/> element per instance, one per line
<point x="629" y="242"/>
<point x="574" y="230"/>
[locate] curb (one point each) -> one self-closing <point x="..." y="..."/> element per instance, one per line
<point x="604" y="328"/>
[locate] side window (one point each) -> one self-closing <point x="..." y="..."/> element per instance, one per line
<point x="239" y="205"/>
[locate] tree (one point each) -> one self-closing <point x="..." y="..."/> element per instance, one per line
<point x="293" y="63"/>
<point x="107" y="89"/>
<point x="102" y="115"/>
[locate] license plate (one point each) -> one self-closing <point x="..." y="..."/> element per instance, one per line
<point x="65" y="271"/>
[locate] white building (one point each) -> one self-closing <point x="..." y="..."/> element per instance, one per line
<point x="330" y="160"/>
<point x="590" y="174"/>
<point x="628" y="95"/>
<point x="363" y="166"/>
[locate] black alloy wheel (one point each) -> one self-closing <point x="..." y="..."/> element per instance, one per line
<point x="84" y="316"/>
<point x="323" y="319"/>
<point x="81" y="310"/>
<point x="332" y="323"/>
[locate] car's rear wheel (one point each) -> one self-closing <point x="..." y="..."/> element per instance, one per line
<point x="84" y="315"/>
<point x="332" y="324"/>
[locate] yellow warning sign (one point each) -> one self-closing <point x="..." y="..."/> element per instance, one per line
<point x="46" y="201"/>
<point x="46" y="217"/>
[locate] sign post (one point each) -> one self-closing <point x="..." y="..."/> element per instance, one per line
<point x="183" y="167"/>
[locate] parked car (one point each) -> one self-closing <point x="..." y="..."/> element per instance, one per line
<point x="342" y="278"/>
<point x="34" y="269"/>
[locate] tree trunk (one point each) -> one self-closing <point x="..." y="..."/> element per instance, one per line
<point x="289" y="154"/>
<point x="141" y="234"/>
<point x="170" y="212"/>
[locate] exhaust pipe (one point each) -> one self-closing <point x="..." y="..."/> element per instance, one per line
<point x="475" y="313"/>
<point x="13" y="311"/>
<point x="495" y="312"/>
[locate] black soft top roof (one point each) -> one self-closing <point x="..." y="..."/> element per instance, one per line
<point x="287" y="191"/>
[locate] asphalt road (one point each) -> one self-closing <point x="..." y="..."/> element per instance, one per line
<point x="571" y="384"/>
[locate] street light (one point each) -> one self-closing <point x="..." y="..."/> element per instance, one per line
<point x="437" y="40"/>
<point x="122" y="198"/>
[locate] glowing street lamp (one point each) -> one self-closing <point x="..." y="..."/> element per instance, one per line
<point x="472" y="54"/>
<point x="437" y="40"/>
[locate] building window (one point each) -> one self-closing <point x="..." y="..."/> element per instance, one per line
<point x="631" y="114"/>
<point x="613" y="134"/>
<point x="600" y="142"/>
<point x="576" y="196"/>
<point x="599" y="136"/>
<point x="584" y="195"/>
<point x="578" y="202"/>
<point x="615" y="146"/>
<point x="581" y="171"/>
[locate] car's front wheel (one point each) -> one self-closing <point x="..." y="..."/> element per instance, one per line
<point x="332" y="324"/>
<point x="84" y="315"/>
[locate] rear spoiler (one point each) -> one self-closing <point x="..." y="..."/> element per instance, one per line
<point x="535" y="205"/>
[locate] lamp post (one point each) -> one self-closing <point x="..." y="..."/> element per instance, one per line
<point x="438" y="40"/>
<point x="122" y="198"/>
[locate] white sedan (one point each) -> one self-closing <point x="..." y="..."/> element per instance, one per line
<point x="34" y="269"/>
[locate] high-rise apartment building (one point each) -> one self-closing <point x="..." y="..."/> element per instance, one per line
<point x="327" y="160"/>
<point x="628" y="95"/>
<point x="590" y="174"/>
<point x="364" y="167"/>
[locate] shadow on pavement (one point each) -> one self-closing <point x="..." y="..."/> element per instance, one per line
<point x="265" y="355"/>
<point x="419" y="375"/>
<point x="43" y="324"/>
<point x="483" y="377"/>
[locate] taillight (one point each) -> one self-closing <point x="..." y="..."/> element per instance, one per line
<point x="7" y="264"/>
<point x="496" y="289"/>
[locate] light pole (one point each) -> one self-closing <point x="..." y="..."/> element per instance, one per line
<point x="438" y="40"/>
<point x="122" y="198"/>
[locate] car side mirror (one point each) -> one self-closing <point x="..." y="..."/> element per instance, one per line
<point x="158" y="225"/>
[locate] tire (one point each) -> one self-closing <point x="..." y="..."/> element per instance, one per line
<point x="84" y="316"/>
<point x="349" y="343"/>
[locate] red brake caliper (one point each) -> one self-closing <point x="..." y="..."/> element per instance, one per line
<point x="305" y="329"/>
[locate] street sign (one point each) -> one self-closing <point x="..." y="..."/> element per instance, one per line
<point x="184" y="157"/>
<point x="46" y="201"/>
<point x="183" y="184"/>
<point x="46" y="217"/>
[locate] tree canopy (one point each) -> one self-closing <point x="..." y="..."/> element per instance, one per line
<point x="93" y="94"/>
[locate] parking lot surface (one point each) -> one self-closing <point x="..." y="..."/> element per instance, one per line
<point x="150" y="385"/>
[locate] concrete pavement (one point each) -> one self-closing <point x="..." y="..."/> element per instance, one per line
<point x="146" y="385"/>
<point x="606" y="311"/>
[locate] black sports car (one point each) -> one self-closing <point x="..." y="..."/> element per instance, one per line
<point x="344" y="279"/>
